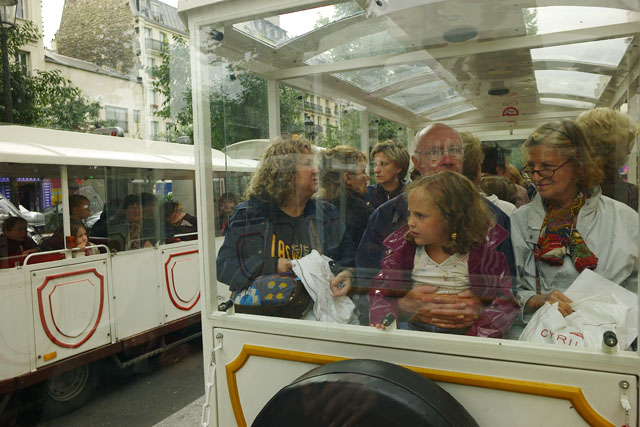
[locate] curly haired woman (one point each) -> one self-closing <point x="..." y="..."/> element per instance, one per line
<point x="280" y="221"/>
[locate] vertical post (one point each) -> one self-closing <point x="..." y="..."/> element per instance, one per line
<point x="273" y="106"/>
<point x="66" y="212"/>
<point x="364" y="134"/>
<point x="6" y="76"/>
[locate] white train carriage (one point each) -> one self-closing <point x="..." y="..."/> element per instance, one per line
<point x="495" y="68"/>
<point x="59" y="313"/>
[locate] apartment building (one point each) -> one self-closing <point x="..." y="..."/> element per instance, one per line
<point x="127" y="37"/>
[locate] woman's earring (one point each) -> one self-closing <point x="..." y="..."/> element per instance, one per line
<point x="454" y="236"/>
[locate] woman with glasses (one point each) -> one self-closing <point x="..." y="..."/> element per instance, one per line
<point x="390" y="165"/>
<point x="569" y="226"/>
<point x="281" y="221"/>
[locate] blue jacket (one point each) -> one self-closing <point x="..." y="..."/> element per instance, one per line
<point x="391" y="216"/>
<point x="245" y="253"/>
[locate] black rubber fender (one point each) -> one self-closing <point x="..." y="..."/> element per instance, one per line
<point x="361" y="392"/>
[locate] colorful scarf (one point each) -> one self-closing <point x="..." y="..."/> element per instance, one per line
<point x="558" y="237"/>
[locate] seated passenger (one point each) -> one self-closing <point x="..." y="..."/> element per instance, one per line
<point x="226" y="203"/>
<point x="131" y="217"/>
<point x="344" y="183"/>
<point x="569" y="226"/>
<point x="390" y="165"/>
<point x="500" y="191"/>
<point x="496" y="163"/>
<point x="176" y="221"/>
<point x="79" y="207"/>
<point x="149" y="214"/>
<point x="438" y="148"/>
<point x="445" y="249"/>
<point x="472" y="169"/>
<point x="79" y="210"/>
<point x="612" y="134"/>
<point x="81" y="240"/>
<point x="14" y="240"/>
<point x="281" y="221"/>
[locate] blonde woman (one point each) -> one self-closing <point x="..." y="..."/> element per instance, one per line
<point x="390" y="166"/>
<point x="280" y="221"/>
<point x="612" y="135"/>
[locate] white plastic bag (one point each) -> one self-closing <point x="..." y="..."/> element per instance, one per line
<point x="590" y="283"/>
<point x="550" y="326"/>
<point x="314" y="272"/>
<point x="592" y="317"/>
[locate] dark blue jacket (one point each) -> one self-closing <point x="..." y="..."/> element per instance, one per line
<point x="392" y="215"/>
<point x="246" y="253"/>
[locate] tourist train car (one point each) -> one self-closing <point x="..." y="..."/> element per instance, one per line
<point x="365" y="70"/>
<point x="61" y="313"/>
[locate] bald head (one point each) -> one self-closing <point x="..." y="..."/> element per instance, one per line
<point x="438" y="148"/>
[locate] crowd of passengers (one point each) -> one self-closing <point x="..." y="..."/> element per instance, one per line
<point x="132" y="225"/>
<point x="468" y="246"/>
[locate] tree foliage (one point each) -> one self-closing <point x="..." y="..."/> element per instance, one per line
<point x="45" y="99"/>
<point x="237" y="98"/>
<point x="173" y="81"/>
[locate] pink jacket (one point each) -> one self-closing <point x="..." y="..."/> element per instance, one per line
<point x="488" y="274"/>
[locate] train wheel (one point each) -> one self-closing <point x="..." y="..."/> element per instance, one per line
<point x="70" y="390"/>
<point x="363" y="392"/>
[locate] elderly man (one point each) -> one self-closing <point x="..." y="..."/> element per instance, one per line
<point x="438" y="148"/>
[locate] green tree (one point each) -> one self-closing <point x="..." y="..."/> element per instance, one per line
<point x="45" y="99"/>
<point x="238" y="99"/>
<point x="173" y="81"/>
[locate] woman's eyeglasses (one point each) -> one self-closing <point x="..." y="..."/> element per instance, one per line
<point x="544" y="173"/>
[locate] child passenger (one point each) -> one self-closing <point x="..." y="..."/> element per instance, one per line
<point x="448" y="247"/>
<point x="79" y="232"/>
<point x="14" y="240"/>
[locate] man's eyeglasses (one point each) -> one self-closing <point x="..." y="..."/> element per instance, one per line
<point x="438" y="153"/>
<point x="544" y="173"/>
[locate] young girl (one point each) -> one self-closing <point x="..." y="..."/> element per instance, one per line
<point x="448" y="247"/>
<point x="79" y="232"/>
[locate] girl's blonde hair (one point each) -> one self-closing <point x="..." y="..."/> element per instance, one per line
<point x="611" y="133"/>
<point x="396" y="153"/>
<point x="466" y="215"/>
<point x="568" y="138"/>
<point x="335" y="162"/>
<point x="275" y="180"/>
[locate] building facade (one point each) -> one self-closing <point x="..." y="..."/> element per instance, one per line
<point x="132" y="34"/>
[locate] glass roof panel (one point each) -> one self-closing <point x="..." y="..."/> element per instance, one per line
<point x="380" y="43"/>
<point x="568" y="103"/>
<point x="575" y="83"/>
<point x="372" y="79"/>
<point x="276" y="30"/>
<point x="450" y="112"/>
<point x="425" y="97"/>
<point x="552" y="19"/>
<point x="602" y="52"/>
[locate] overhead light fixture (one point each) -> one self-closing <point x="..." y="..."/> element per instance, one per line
<point x="460" y="34"/>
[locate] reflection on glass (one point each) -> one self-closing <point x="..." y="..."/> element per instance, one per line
<point x="552" y="19"/>
<point x="276" y="30"/>
<point x="450" y="112"/>
<point x="600" y="52"/>
<point x="425" y="97"/>
<point x="375" y="78"/>
<point x="576" y="83"/>
<point x="567" y="103"/>
<point x="380" y="43"/>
